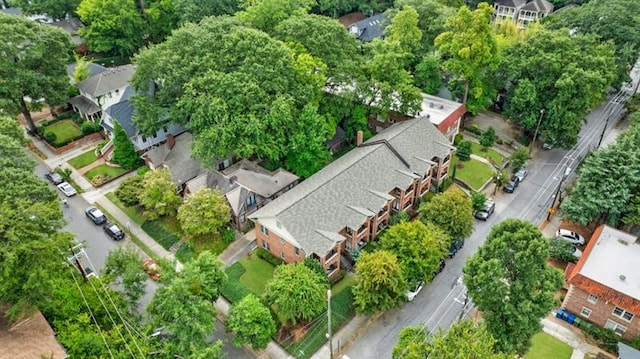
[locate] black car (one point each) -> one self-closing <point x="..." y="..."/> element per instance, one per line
<point x="440" y="268"/>
<point x="54" y="177"/>
<point x="455" y="247"/>
<point x="113" y="231"/>
<point x="510" y="187"/>
<point x="95" y="215"/>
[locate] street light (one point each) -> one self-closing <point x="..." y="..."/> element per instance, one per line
<point x="535" y="134"/>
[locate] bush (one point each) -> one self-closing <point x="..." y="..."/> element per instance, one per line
<point x="50" y="137"/>
<point x="446" y="183"/>
<point x="142" y="170"/>
<point x="228" y="235"/>
<point x="499" y="140"/>
<point x="464" y="151"/>
<point x="606" y="338"/>
<point x="478" y="200"/>
<point x="487" y="138"/>
<point x="268" y="257"/>
<point x="129" y="191"/>
<point x="399" y="217"/>
<point x="315" y="266"/>
<point x="459" y="137"/>
<point x="473" y="128"/>
<point x="165" y="238"/>
<point x="89" y="127"/>
<point x="232" y="289"/>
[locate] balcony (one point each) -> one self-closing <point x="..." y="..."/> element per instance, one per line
<point x="331" y="256"/>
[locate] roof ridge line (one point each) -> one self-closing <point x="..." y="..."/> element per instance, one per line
<point x="393" y="150"/>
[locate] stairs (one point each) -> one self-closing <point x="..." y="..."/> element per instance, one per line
<point x="345" y="264"/>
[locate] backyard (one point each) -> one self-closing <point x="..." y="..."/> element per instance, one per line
<point x="474" y="173"/>
<point x="545" y="346"/>
<point x="64" y="131"/>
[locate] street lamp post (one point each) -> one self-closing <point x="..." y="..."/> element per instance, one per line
<point x="535" y="133"/>
<point x="567" y="170"/>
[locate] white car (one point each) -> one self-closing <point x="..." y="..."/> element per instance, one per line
<point x="570" y="236"/>
<point x="412" y="293"/>
<point x="67" y="189"/>
<point x="576" y="252"/>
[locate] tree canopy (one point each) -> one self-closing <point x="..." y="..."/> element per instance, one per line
<point x="510" y="282"/>
<point x="451" y="211"/>
<point x="124" y="153"/>
<point x="159" y="196"/>
<point x="251" y="322"/>
<point x="203" y="212"/>
<point x="33" y="64"/>
<point x="432" y="16"/>
<point x="265" y="15"/>
<point x="56" y="9"/>
<point x="380" y="282"/>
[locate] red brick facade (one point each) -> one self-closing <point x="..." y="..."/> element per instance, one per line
<point x="278" y="246"/>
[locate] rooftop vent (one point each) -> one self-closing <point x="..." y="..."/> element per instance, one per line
<point x="431" y="104"/>
<point x="622" y="277"/>
<point x="441" y="106"/>
<point x="622" y="241"/>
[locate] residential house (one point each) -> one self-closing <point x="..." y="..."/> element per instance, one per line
<point x="369" y="28"/>
<point x="506" y="9"/>
<point x="71" y="27"/>
<point x="29" y="337"/>
<point x="627" y="352"/>
<point x="445" y="114"/>
<point x="175" y="155"/>
<point x="603" y="284"/>
<point x="532" y="11"/>
<point x="347" y="203"/>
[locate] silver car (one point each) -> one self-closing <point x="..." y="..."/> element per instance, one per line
<point x="521" y="174"/>
<point x="67" y="189"/>
<point x="570" y="236"/>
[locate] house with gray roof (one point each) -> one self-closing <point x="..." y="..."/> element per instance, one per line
<point x="347" y="203"/>
<point x="521" y="12"/>
<point x="506" y="9"/>
<point x="369" y="28"/>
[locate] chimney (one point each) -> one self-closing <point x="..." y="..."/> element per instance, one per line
<point x="359" y="138"/>
<point x="232" y="179"/>
<point x="171" y="141"/>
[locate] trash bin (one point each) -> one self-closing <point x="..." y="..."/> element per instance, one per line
<point x="559" y="313"/>
<point x="571" y="318"/>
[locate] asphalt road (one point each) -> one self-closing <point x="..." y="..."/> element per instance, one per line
<point x="443" y="301"/>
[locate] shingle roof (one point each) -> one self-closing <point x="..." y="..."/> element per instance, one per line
<point x="110" y="80"/>
<point x="509" y="3"/>
<point x="538" y="5"/>
<point x="123" y="112"/>
<point x="177" y="159"/>
<point x="369" y="28"/>
<point x="608" y="268"/>
<point x="357" y="184"/>
<point x="94" y="69"/>
<point x="27" y="338"/>
<point x="84" y="104"/>
<point x="258" y="179"/>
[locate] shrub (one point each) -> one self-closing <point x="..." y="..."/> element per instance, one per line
<point x="129" y="191"/>
<point x="499" y="140"/>
<point x="464" y="151"/>
<point x="478" y="200"/>
<point x="518" y="158"/>
<point x="487" y="138"/>
<point x="232" y="289"/>
<point x="50" y="137"/>
<point x="268" y="257"/>
<point x="228" y="235"/>
<point x="606" y="338"/>
<point x="399" y="217"/>
<point x="459" y="137"/>
<point x="89" y="127"/>
<point x="446" y="183"/>
<point x="315" y="266"/>
<point x="142" y="170"/>
<point x="473" y="128"/>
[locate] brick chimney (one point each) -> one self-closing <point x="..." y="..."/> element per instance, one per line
<point x="359" y="138"/>
<point x="171" y="141"/>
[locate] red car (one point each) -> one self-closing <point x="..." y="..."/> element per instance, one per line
<point x="151" y="268"/>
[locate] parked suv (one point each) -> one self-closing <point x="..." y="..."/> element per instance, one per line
<point x="570" y="236"/>
<point x="521" y="174"/>
<point x="95" y="215"/>
<point x="510" y="186"/>
<point x="113" y="231"/>
<point x="484" y="213"/>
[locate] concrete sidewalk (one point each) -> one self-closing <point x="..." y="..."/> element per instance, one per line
<point x="572" y="336"/>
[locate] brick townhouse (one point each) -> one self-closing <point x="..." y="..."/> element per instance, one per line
<point x="604" y="286"/>
<point x="347" y="203"/>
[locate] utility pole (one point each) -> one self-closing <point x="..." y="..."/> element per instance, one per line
<point x="73" y="253"/>
<point x="535" y="133"/>
<point x="567" y="170"/>
<point x="329" y="324"/>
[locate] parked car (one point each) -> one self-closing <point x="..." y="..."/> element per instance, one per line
<point x="413" y="292"/>
<point x="521" y="174"/>
<point x="151" y="268"/>
<point x="67" y="189"/>
<point x="95" y="215"/>
<point x="547" y="146"/>
<point x="570" y="236"/>
<point x="54" y="177"/>
<point x="113" y="231"/>
<point x="440" y="268"/>
<point x="510" y="187"/>
<point x="486" y="211"/>
<point x="576" y="252"/>
<point x="455" y="247"/>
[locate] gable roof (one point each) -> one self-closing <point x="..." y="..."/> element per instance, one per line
<point x="29" y="338"/>
<point x="258" y="180"/>
<point x="123" y="113"/>
<point x="538" y="5"/>
<point x="94" y="69"/>
<point x="369" y="28"/>
<point x="608" y="268"/>
<point x="177" y="158"/>
<point x="112" y="79"/>
<point x="509" y="3"/>
<point x="348" y="190"/>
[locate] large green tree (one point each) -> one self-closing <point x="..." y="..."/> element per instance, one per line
<point x="122" y="270"/>
<point x="432" y="16"/>
<point x="204" y="212"/>
<point x="124" y="153"/>
<point x="380" y="282"/>
<point x="561" y="74"/>
<point x="112" y="26"/>
<point x="418" y="247"/>
<point x="306" y="152"/>
<point x="296" y="293"/>
<point x="32" y="66"/>
<point x="404" y="30"/>
<point x="265" y="15"/>
<point x="451" y="211"/>
<point x="470" y="53"/>
<point x="159" y="196"/>
<point x="510" y="281"/>
<point x="251" y="322"/>
<point x="56" y="9"/>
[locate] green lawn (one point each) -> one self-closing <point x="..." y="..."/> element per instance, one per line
<point x="132" y="212"/>
<point x="545" y="346"/>
<point x="258" y="273"/>
<point x="104" y="171"/>
<point x="84" y="159"/>
<point x="348" y="281"/>
<point x="474" y="173"/>
<point x="65" y="130"/>
<point x="490" y="153"/>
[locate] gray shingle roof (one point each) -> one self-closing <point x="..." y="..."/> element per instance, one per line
<point x="177" y="159"/>
<point x="357" y="184"/>
<point x="510" y="3"/>
<point x="110" y="80"/>
<point x="369" y="28"/>
<point x="538" y="5"/>
<point x="94" y="69"/>
<point x="258" y="179"/>
<point x="123" y="113"/>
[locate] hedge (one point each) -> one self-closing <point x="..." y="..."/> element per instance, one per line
<point x="232" y="289"/>
<point x="165" y="238"/>
<point x="268" y="257"/>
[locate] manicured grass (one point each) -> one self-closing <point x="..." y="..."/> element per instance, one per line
<point x="65" y="130"/>
<point x="258" y="273"/>
<point x="84" y="159"/>
<point x="474" y="173"/>
<point x="105" y="171"/>
<point x="347" y="282"/>
<point x="490" y="153"/>
<point x="132" y="212"/>
<point x="160" y="234"/>
<point x="171" y="224"/>
<point x="545" y="346"/>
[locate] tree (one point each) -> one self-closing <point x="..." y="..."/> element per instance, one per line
<point x="129" y="190"/>
<point x="159" y="196"/>
<point x="432" y="16"/>
<point x="251" y="323"/>
<point x="112" y="26"/>
<point x="306" y="152"/>
<point x="500" y="178"/>
<point x="11" y="128"/>
<point x="487" y="138"/>
<point x="265" y="15"/>
<point x="463" y="151"/>
<point x="315" y="266"/>
<point x="81" y="71"/>
<point x="162" y="16"/>
<point x="205" y="276"/>
<point x="124" y="153"/>
<point x="470" y="52"/>
<point x="519" y="158"/>
<point x="55" y="9"/>
<point x="33" y="65"/>
<point x="122" y="270"/>
<point x="196" y="10"/>
<point x="572" y="74"/>
<point x="412" y="344"/>
<point x="204" y="212"/>
<point x="513" y="263"/>
<point x="336" y="8"/>
<point x="561" y="250"/>
<point x="427" y="75"/>
<point x="405" y="31"/>
<point x="380" y="283"/>
<point x="451" y="211"/>
<point x="419" y="249"/>
<point x="478" y="199"/>
<point x="296" y="292"/>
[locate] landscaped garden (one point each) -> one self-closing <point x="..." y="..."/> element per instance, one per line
<point x="84" y="159"/>
<point x="473" y="172"/>
<point x="104" y="173"/>
<point x="61" y="132"/>
<point x="488" y="153"/>
<point x="545" y="346"/>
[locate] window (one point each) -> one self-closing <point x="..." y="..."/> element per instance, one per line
<point x="585" y="312"/>
<point x="265" y="245"/>
<point x="164" y="128"/>
<point x="297" y="251"/>
<point x="592" y="299"/>
<point x="144" y="138"/>
<point x="264" y="230"/>
<point x="251" y="199"/>
<point x="621" y="313"/>
<point x="282" y="255"/>
<point x="396" y="206"/>
<point x="281" y="240"/>
<point x="617" y="328"/>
